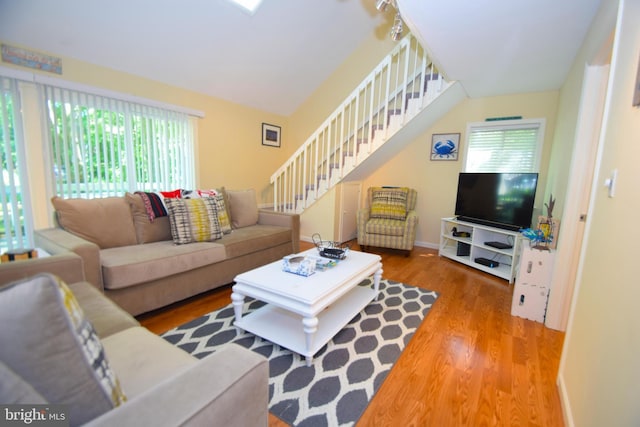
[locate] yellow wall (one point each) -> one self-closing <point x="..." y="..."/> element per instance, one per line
<point x="328" y="96"/>
<point x="229" y="148"/>
<point x="599" y="376"/>
<point x="437" y="181"/>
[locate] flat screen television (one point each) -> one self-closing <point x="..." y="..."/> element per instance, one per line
<point x="503" y="200"/>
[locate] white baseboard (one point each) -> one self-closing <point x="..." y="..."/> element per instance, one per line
<point x="564" y="402"/>
<point x="428" y="245"/>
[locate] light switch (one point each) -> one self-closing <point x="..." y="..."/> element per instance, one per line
<point x="610" y="183"/>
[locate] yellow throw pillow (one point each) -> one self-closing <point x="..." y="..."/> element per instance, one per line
<point x="389" y="203"/>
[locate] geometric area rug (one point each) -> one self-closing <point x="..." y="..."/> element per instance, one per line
<point x="345" y="374"/>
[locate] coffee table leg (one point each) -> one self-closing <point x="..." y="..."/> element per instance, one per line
<point x="238" y="302"/>
<point x="376" y="281"/>
<point x="310" y="325"/>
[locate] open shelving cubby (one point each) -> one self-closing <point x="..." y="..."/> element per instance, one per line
<point x="467" y="249"/>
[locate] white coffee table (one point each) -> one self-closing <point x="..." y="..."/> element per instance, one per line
<point x="303" y="313"/>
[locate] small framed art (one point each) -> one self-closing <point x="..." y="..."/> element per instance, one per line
<point x="445" y="146"/>
<point x="271" y="135"/>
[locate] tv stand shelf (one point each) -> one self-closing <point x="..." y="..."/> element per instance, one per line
<point x="467" y="249"/>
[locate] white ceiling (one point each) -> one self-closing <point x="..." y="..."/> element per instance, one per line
<point x="496" y="47"/>
<point x="273" y="60"/>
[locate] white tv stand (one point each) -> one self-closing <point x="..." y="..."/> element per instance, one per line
<point x="474" y="246"/>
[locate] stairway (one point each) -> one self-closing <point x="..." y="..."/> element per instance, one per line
<point x="402" y="87"/>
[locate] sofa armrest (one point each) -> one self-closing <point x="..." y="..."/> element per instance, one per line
<point x="228" y="388"/>
<point x="67" y="266"/>
<point x="283" y="219"/>
<point x="56" y="241"/>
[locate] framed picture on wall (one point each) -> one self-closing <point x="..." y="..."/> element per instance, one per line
<point x="445" y="146"/>
<point x="271" y="135"/>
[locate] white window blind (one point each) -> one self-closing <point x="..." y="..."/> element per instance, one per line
<point x="102" y="146"/>
<point x="15" y="221"/>
<point x="512" y="146"/>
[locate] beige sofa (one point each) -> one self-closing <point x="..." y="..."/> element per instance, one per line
<point x="135" y="261"/>
<point x="130" y="377"/>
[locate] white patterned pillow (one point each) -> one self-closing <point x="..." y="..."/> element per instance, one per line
<point x="193" y="220"/>
<point x="54" y="347"/>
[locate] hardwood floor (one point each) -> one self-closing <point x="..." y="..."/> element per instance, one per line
<point x="470" y="363"/>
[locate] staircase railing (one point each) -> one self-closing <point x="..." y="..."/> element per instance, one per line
<point x="399" y="87"/>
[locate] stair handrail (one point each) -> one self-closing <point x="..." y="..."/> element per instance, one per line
<point x="315" y="153"/>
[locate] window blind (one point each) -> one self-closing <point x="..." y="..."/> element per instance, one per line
<point x="102" y="146"/>
<point x="15" y="221"/>
<point x="513" y="147"/>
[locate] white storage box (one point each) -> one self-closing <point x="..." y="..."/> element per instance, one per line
<point x="530" y="302"/>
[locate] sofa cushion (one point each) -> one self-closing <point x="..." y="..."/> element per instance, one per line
<point x="254" y="238"/>
<point x="128" y="266"/>
<point x="55" y="348"/>
<point x="243" y="207"/>
<point x="147" y="231"/>
<point x="143" y="359"/>
<point x="106" y="317"/>
<point x="389" y="203"/>
<point x="193" y="220"/>
<point x="107" y="221"/>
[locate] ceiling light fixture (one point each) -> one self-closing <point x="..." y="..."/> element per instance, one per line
<point x="398" y="26"/>
<point x="248" y="5"/>
<point x="396" y="30"/>
<point x="381" y="5"/>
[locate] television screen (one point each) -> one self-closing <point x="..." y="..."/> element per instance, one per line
<point x="503" y="200"/>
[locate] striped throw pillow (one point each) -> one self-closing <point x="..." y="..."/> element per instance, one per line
<point x="389" y="203"/>
<point x="193" y="220"/>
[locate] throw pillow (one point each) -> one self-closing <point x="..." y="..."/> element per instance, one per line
<point x="54" y="348"/>
<point x="224" y="217"/>
<point x="175" y="194"/>
<point x="193" y="220"/>
<point x="147" y="231"/>
<point x="15" y="390"/>
<point x="106" y="221"/>
<point x="389" y="203"/>
<point x="243" y="207"/>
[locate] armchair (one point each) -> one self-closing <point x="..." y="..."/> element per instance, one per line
<point x="389" y="220"/>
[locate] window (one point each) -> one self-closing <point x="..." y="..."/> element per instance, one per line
<point x="505" y="146"/>
<point x="102" y="146"/>
<point x="90" y="142"/>
<point x="15" y="215"/>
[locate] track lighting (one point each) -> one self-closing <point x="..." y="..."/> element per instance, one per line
<point x="396" y="30"/>
<point x="398" y="26"/>
<point x="381" y="5"/>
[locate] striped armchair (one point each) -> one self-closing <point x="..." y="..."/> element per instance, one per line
<point x="389" y="220"/>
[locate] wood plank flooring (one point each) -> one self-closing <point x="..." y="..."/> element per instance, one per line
<point x="470" y="363"/>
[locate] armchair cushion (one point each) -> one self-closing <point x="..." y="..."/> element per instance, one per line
<point x="387" y="227"/>
<point x="55" y="348"/>
<point x="389" y="203"/>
